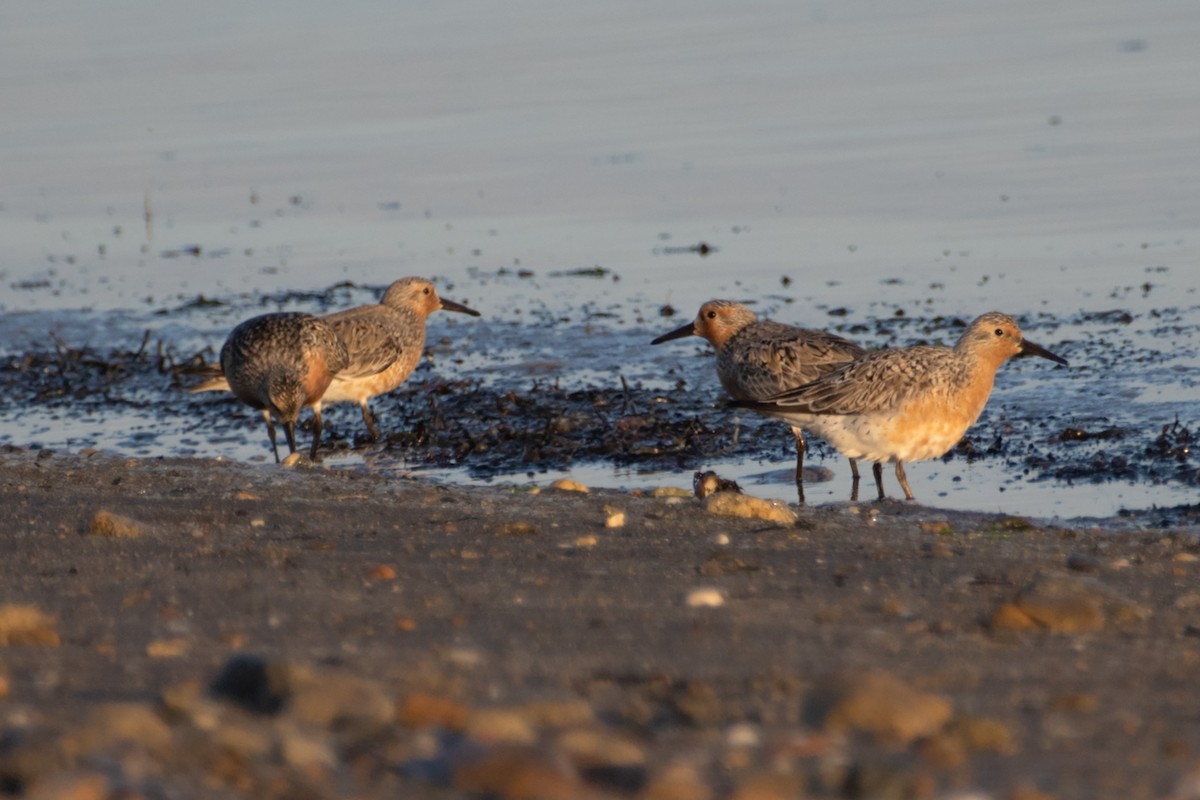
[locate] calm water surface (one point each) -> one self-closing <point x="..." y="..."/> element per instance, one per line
<point x="878" y="161"/>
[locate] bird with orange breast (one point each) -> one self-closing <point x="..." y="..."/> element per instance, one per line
<point x="760" y="358"/>
<point x="280" y="363"/>
<point x="905" y="404"/>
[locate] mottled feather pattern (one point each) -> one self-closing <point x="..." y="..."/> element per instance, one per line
<point x="764" y="357"/>
<point x="380" y="335"/>
<point x="881" y="381"/>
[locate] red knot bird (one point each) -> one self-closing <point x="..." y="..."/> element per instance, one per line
<point x="385" y="341"/>
<point x="279" y="363"/>
<point x="757" y="359"/>
<point x="906" y="404"/>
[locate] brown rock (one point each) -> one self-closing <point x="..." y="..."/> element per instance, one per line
<point x="500" y="726"/>
<point x="888" y="708"/>
<point x="770" y="786"/>
<point x="106" y="523"/>
<point x="135" y="723"/>
<point x="518" y="773"/>
<point x="730" y="504"/>
<point x="678" y="780"/>
<point x="594" y="748"/>
<point x="26" y="625"/>
<point x="1070" y="604"/>
<point x="517" y="528"/>
<point x="1007" y="617"/>
<point x="334" y="699"/>
<point x="70" y="786"/>
<point x="419" y="710"/>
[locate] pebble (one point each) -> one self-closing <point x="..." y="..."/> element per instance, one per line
<point x="518" y="773"/>
<point x="894" y="712"/>
<point x="729" y="504"/>
<point x="420" y="710"/>
<point x="1081" y="562"/>
<point x="568" y="485"/>
<point x="678" y="780"/>
<point x="70" y="786"/>
<point x="26" y="625"/>
<point x="492" y="726"/>
<point x="705" y="597"/>
<point x="614" y="518"/>
<point x="1067" y="604"/>
<point x="517" y="528"/>
<point x="116" y="526"/>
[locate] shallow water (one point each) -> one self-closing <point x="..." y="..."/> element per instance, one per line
<point x="891" y="165"/>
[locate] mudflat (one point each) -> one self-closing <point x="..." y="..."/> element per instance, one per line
<point x="183" y="627"/>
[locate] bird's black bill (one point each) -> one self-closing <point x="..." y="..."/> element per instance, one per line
<point x="678" y="333"/>
<point x="450" y="305"/>
<point x="1029" y="348"/>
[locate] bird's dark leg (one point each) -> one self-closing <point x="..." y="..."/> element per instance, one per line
<point x="318" y="426"/>
<point x="854" y="481"/>
<point x="271" y="433"/>
<point x="800" y="448"/>
<point x="877" y="471"/>
<point x="369" y="421"/>
<point x="900" y="476"/>
<point x="289" y="430"/>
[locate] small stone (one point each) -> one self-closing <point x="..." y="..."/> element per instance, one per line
<point x="518" y="773"/>
<point x="592" y="749"/>
<point x="69" y="786"/>
<point x="614" y="519"/>
<point x="243" y="495"/>
<point x="983" y="734"/>
<point x="291" y="461"/>
<point x="3" y="686"/>
<point x="679" y="780"/>
<point x="729" y="504"/>
<point x="568" y="485"/>
<point x="419" y="710"/>
<point x="1185" y="558"/>
<point x="1081" y="562"/>
<point x="1066" y="604"/>
<point x="565" y="713"/>
<point x="669" y="491"/>
<point x="517" y="528"/>
<point x="585" y="541"/>
<point x="305" y="750"/>
<point x="705" y="597"/>
<point x="383" y="572"/>
<point x="105" y="724"/>
<point x="26" y="625"/>
<point x="336" y="700"/>
<point x="500" y="726"/>
<point x="167" y="648"/>
<point x="1007" y="617"/>
<point x="770" y="786"/>
<point x="893" y="711"/>
<point x="106" y="523"/>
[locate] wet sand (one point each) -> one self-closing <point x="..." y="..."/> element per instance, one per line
<point x="241" y="631"/>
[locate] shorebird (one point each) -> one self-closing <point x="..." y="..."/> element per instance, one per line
<point x="385" y="341"/>
<point x="906" y="404"/>
<point x="279" y="363"/>
<point x="757" y="359"/>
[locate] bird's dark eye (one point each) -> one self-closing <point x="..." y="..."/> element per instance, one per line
<point x="711" y="315"/>
<point x="426" y="291"/>
<point x="999" y="331"/>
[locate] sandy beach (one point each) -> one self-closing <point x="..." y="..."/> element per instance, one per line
<point x="182" y="628"/>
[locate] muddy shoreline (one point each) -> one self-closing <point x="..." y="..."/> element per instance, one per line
<point x="467" y="642"/>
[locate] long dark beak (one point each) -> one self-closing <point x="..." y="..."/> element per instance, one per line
<point x="678" y="333"/>
<point x="1029" y="348"/>
<point x="450" y="305"/>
